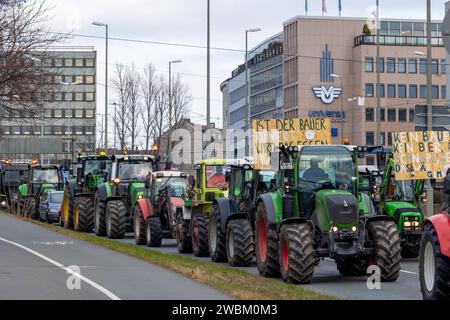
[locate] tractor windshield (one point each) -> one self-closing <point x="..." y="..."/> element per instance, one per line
<point x="331" y="167"/>
<point x="401" y="190"/>
<point x="178" y="186"/>
<point x="94" y="167"/>
<point x="215" y="176"/>
<point x="46" y="175"/>
<point x="14" y="175"/>
<point x="134" y="170"/>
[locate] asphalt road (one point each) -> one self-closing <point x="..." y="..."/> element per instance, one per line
<point x="34" y="264"/>
<point x="327" y="280"/>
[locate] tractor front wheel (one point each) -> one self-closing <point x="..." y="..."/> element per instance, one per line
<point x="139" y="226"/>
<point x="115" y="219"/>
<point x="84" y="215"/>
<point x="240" y="245"/>
<point x="297" y="256"/>
<point x="387" y="249"/>
<point x="154" y="232"/>
<point x="200" y="235"/>
<point x="184" y="242"/>
<point x="266" y="244"/>
<point x="434" y="267"/>
<point x="352" y="267"/>
<point x="217" y="241"/>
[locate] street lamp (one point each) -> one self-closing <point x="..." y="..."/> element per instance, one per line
<point x="101" y="24"/>
<point x="169" y="144"/>
<point x="247" y="82"/>
<point x="336" y="76"/>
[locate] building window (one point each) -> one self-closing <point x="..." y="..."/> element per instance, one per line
<point x="89" y="63"/>
<point x="68" y="113"/>
<point x="78" y="113"/>
<point x="58" y="62"/>
<point x="381" y="65"/>
<point x="369" y="64"/>
<point x="47" y="130"/>
<point x="79" y="62"/>
<point x="15" y="130"/>
<point x="79" y="79"/>
<point x="370" y="138"/>
<point x="58" y="113"/>
<point x="443" y="92"/>
<point x="58" y="130"/>
<point x="68" y="96"/>
<point x="389" y="138"/>
<point x="47" y="113"/>
<point x="391" y="91"/>
<point x="413" y="91"/>
<point x="68" y="62"/>
<point x="89" y="80"/>
<point x="412" y="66"/>
<point x="392" y="115"/>
<point x="47" y="62"/>
<point x="89" y="96"/>
<point x="390" y="65"/>
<point x="382" y="115"/>
<point x="423" y="66"/>
<point x="78" y="130"/>
<point x="78" y="96"/>
<point x="89" y="130"/>
<point x="435" y="66"/>
<point x="58" y="79"/>
<point x="435" y="92"/>
<point x="37" y="130"/>
<point x="68" y="79"/>
<point x="58" y="96"/>
<point x="369" y="114"/>
<point x="402" y="91"/>
<point x="401" y="65"/>
<point x="411" y="115"/>
<point x="402" y="114"/>
<point x="443" y="66"/>
<point x="369" y="90"/>
<point x="89" y="113"/>
<point x="423" y="92"/>
<point x="382" y="92"/>
<point x="383" y="138"/>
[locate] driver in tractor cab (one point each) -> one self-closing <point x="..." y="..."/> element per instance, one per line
<point x="314" y="173"/>
<point x="218" y="180"/>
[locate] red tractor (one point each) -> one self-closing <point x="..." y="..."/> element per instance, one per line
<point x="434" y="264"/>
<point x="156" y="215"/>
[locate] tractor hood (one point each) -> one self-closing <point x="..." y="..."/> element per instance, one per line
<point x="137" y="190"/>
<point x="336" y="207"/>
<point x="398" y="210"/>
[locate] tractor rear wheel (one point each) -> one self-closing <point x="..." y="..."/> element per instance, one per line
<point x="352" y="267"/>
<point x="154" y="232"/>
<point x="68" y="211"/>
<point x="99" y="216"/>
<point x="387" y="249"/>
<point x="84" y="214"/>
<point x="34" y="210"/>
<point x="434" y="267"/>
<point x="217" y="240"/>
<point x="140" y="226"/>
<point x="266" y="240"/>
<point x="240" y="245"/>
<point x="200" y="235"/>
<point x="297" y="256"/>
<point x="115" y="219"/>
<point x="184" y="242"/>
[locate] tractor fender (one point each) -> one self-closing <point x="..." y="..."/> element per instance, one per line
<point x="272" y="211"/>
<point x="298" y="220"/>
<point x="379" y="218"/>
<point x="441" y="224"/>
<point x="146" y="208"/>
<point x="102" y="192"/>
<point x="225" y="209"/>
<point x="23" y="190"/>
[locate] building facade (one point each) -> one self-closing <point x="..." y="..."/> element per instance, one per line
<point x="329" y="63"/>
<point x="68" y="117"/>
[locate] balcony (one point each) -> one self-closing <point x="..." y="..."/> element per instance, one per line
<point x="415" y="41"/>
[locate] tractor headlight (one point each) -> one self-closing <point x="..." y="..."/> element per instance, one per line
<point x="3" y="203"/>
<point x="354" y="229"/>
<point x="407" y="224"/>
<point x="140" y="197"/>
<point x="116" y="181"/>
<point x="334" y="229"/>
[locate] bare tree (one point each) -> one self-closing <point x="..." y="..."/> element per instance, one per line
<point x="181" y="98"/>
<point x="150" y="90"/>
<point x="133" y="83"/>
<point x="160" y="115"/>
<point x="24" y="43"/>
<point x="121" y="114"/>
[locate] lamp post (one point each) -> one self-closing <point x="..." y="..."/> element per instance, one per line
<point x="169" y="138"/>
<point x="101" y="24"/>
<point x="247" y="82"/>
<point x="336" y="76"/>
<point x="115" y="124"/>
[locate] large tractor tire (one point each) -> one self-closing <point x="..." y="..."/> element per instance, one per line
<point x="115" y="219"/>
<point x="140" y="227"/>
<point x="239" y="245"/>
<point x="154" y="232"/>
<point x="266" y="240"/>
<point x="352" y="267"/>
<point x="410" y="252"/>
<point x="67" y="209"/>
<point x="217" y="239"/>
<point x="31" y="208"/>
<point x="184" y="242"/>
<point x="199" y="236"/>
<point x="84" y="214"/>
<point x="34" y="210"/>
<point x="434" y="267"/>
<point x="387" y="249"/>
<point x="99" y="216"/>
<point x="297" y="256"/>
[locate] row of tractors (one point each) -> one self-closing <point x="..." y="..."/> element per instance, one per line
<point x="314" y="203"/>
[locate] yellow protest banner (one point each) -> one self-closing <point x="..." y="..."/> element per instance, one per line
<point x="268" y="134"/>
<point x="420" y="155"/>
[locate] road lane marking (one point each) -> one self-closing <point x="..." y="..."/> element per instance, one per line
<point x="108" y="293"/>
<point x="404" y="271"/>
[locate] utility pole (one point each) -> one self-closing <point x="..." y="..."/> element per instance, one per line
<point x="377" y="65"/>
<point x="208" y="67"/>
<point x="169" y="138"/>
<point x="430" y="201"/>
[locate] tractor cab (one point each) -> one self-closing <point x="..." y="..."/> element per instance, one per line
<point x="42" y="178"/>
<point x="211" y="180"/>
<point x="93" y="170"/>
<point x="12" y="175"/>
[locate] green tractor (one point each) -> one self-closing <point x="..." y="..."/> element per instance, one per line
<point x="318" y="212"/>
<point x="78" y="203"/>
<point x="12" y="175"/>
<point x="210" y="183"/>
<point x="232" y="219"/>
<point x="402" y="200"/>
<point x="41" y="178"/>
<point x="116" y="200"/>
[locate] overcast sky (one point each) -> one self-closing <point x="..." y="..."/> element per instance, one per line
<point x="184" y="21"/>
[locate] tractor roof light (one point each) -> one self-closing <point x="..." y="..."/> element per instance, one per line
<point x="116" y="181"/>
<point x="102" y="154"/>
